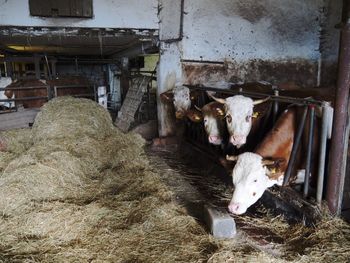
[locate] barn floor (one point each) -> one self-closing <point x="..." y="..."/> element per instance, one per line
<point x="264" y="236"/>
<point x="75" y="189"/>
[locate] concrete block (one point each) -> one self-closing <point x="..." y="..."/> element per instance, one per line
<point x="220" y="223"/>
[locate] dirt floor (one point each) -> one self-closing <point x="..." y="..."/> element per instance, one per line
<point x="76" y="189"/>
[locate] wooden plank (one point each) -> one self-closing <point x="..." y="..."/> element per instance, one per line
<point x="132" y="102"/>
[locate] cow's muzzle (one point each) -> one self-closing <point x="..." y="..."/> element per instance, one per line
<point x="237" y="208"/>
<point x="238" y="140"/>
<point x="216" y="140"/>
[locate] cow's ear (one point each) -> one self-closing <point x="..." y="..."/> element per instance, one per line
<point x="217" y="109"/>
<point x="167" y="96"/>
<point x="194" y="115"/>
<point x="255" y="114"/>
<point x="273" y="167"/>
<point x="275" y="179"/>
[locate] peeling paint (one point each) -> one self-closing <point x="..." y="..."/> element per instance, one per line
<point x="300" y="72"/>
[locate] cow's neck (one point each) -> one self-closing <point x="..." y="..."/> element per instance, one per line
<point x="278" y="142"/>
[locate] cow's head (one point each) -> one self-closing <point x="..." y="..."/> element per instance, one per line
<point x="251" y="176"/>
<point x="239" y="113"/>
<point x="212" y="115"/>
<point x="181" y="98"/>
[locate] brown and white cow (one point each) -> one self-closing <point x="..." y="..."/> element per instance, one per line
<point x="182" y="99"/>
<point x="75" y="85"/>
<point x="238" y="115"/>
<point x="4" y="82"/>
<point x="213" y="117"/>
<point x="256" y="171"/>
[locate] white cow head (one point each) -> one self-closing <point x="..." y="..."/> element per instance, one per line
<point x="4" y="82"/>
<point x="212" y="115"/>
<point x="239" y="113"/>
<point x="181" y="98"/>
<point x="251" y="177"/>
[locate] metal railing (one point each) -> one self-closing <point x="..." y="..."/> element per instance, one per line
<point x="51" y="93"/>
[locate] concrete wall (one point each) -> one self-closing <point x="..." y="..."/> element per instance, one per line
<point x="270" y="40"/>
<point x="279" y="41"/>
<point x="107" y="13"/>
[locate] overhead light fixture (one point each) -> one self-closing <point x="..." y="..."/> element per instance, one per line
<point x="34" y="48"/>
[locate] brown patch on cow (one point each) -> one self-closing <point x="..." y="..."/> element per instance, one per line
<point x="83" y="87"/>
<point x="194" y="115"/>
<point x="215" y="109"/>
<point x="279" y="141"/>
<point x="167" y="96"/>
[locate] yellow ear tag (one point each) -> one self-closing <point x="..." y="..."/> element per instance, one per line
<point x="221" y="113"/>
<point x="197" y="118"/>
<point x="273" y="170"/>
<point x="255" y="114"/>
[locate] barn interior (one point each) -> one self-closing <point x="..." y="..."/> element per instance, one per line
<point x="97" y="165"/>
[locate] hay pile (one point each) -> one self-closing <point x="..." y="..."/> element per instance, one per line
<point x="81" y="191"/>
<point x="75" y="189"/>
<point x="16" y="142"/>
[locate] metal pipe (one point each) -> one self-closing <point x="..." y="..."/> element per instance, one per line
<point x="326" y="110"/>
<point x="338" y="151"/>
<point x="309" y="150"/>
<point x="297" y="101"/>
<point x="24" y="88"/>
<point x="23" y="99"/>
<point x="295" y="147"/>
<point x="275" y="107"/>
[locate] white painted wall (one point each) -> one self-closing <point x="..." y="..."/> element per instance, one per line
<point x="107" y="13"/>
<point x="248" y="29"/>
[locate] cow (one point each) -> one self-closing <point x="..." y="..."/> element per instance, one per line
<point x="4" y="82"/>
<point x="213" y="117"/>
<point x="238" y="115"/>
<point x="256" y="171"/>
<point x="82" y="87"/>
<point x="182" y="99"/>
<point x="11" y="91"/>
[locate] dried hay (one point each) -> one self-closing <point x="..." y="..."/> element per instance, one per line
<point x="83" y="193"/>
<point x="89" y="194"/>
<point x="70" y="118"/>
<point x="17" y="142"/>
<point x="328" y="241"/>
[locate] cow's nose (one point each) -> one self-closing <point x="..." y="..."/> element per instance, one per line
<point x="214" y="139"/>
<point x="238" y="139"/>
<point x="233" y="207"/>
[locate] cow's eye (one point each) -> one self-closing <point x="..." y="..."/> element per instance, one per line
<point x="254" y="193"/>
<point x="229" y="118"/>
<point x="255" y="180"/>
<point x="205" y="120"/>
<point x="248" y="118"/>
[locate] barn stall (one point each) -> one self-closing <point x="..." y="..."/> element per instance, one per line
<point x="79" y="185"/>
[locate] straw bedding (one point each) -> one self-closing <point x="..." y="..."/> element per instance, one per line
<point x="76" y="189"/>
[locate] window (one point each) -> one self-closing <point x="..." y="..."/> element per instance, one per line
<point x="61" y="8"/>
